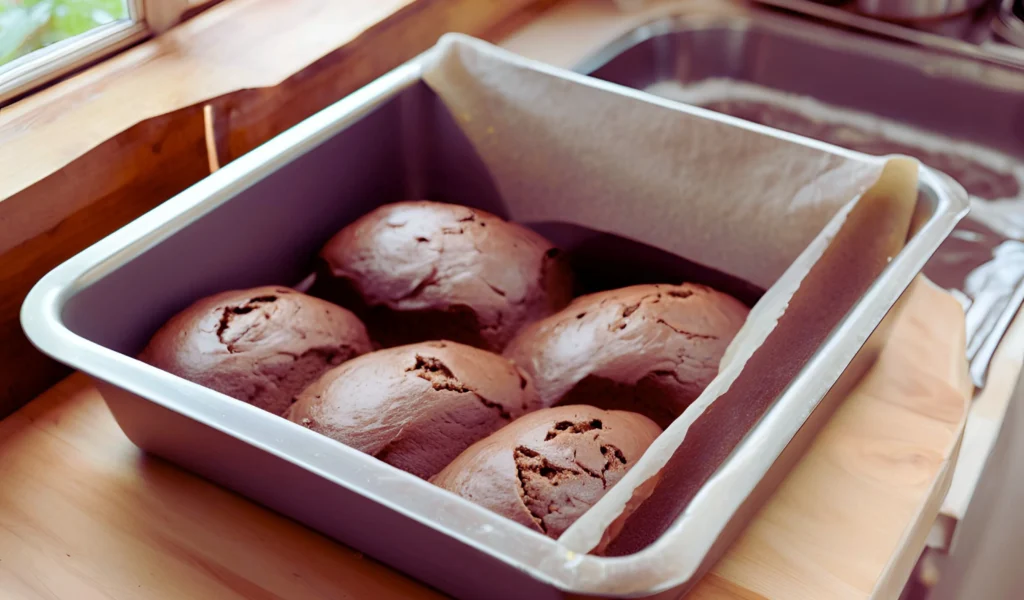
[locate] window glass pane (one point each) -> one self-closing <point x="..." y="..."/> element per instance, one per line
<point x="27" y="25"/>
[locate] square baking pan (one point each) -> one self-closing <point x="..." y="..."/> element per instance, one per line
<point x="880" y="97"/>
<point x="261" y="218"/>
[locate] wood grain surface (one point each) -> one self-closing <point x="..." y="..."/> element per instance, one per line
<point x="85" y="515"/>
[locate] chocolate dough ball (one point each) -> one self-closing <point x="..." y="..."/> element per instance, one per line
<point x="416" y="407"/>
<point x="416" y="271"/>
<point x="261" y="346"/>
<point x="651" y="349"/>
<point x="548" y="468"/>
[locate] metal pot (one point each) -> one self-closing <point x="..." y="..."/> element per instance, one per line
<point x="916" y="10"/>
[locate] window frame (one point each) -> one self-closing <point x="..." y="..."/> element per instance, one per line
<point x="42" y="66"/>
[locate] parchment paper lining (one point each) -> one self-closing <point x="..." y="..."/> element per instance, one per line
<point x="715" y="190"/>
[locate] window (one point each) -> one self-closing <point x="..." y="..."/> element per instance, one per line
<point x="41" y="40"/>
<point x="27" y="25"/>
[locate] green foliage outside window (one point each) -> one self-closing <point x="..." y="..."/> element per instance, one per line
<point x="27" y="25"/>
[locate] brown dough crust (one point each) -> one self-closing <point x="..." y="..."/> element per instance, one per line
<point x="416" y="407"/>
<point x="645" y="348"/>
<point x="424" y="270"/>
<point x="548" y="468"/>
<point x="261" y="345"/>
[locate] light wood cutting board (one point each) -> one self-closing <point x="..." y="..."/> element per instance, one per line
<point x="85" y="515"/>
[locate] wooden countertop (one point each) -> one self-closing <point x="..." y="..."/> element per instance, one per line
<point x="85" y="515"/>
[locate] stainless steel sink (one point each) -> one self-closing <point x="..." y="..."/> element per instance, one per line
<point x="958" y="115"/>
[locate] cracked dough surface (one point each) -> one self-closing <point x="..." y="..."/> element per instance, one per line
<point x="646" y="348"/>
<point x="426" y="270"/>
<point x="261" y="345"/>
<point x="416" y="407"/>
<point x="546" y="469"/>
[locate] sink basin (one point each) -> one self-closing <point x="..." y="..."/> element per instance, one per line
<point x="963" y="117"/>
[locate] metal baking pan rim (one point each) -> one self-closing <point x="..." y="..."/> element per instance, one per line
<point x="864" y="317"/>
<point x="919" y="57"/>
<point x="41" y="318"/>
<point x="990" y="51"/>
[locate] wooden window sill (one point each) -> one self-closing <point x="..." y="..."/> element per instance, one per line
<point x="89" y="154"/>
